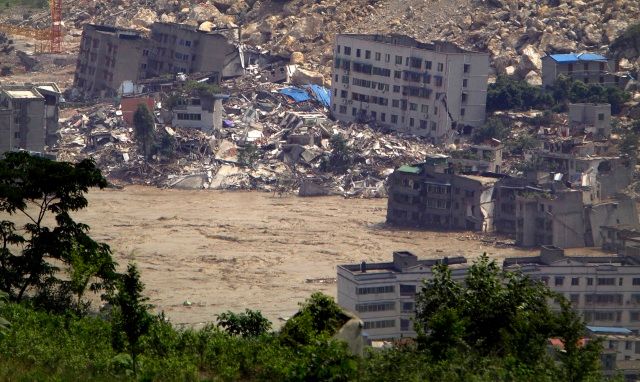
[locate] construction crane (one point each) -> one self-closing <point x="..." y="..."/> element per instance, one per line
<point x="52" y="35"/>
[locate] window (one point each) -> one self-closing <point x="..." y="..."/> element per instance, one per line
<point x="383" y="117"/>
<point x="466" y="68"/>
<point x="438" y="81"/>
<point x="586" y="66"/>
<point x="189" y="117"/>
<point x="574" y="298"/>
<point x="407" y="290"/>
<point x="570" y="68"/>
<point x="465" y="83"/>
<point x="636" y="281"/>
<point x="343" y="109"/>
<point x="462" y="111"/>
<point x="464" y="97"/>
<point x="408" y="307"/>
<point x="634" y="316"/>
<point x="424" y="109"/>
<point x="427" y="65"/>
<point x="338" y="49"/>
<point x="344" y="94"/>
<point x="394" y="119"/>
<point x="559" y="280"/>
<point x="376" y="307"/>
<point x="424" y="124"/>
<point x="397" y="74"/>
<point x="375" y="290"/>
<point x="435" y="110"/>
<point x="347" y="50"/>
<point x="387" y="57"/>
<point x="405" y="324"/>
<point x="600" y="116"/>
<point x="601" y="79"/>
<point x="413" y="106"/>
<point x="354" y="111"/>
<point x="440" y="66"/>
<point x="358" y="52"/>
<point x="606" y="281"/>
<point x="395" y="103"/>
<point x="411" y="122"/>
<point x="396" y="88"/>
<point x="379" y="324"/>
<point x="398" y="60"/>
<point x="589" y="280"/>
<point x="575" y="281"/>
<point x="367" y="54"/>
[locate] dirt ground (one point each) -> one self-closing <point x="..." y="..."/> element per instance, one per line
<point x="234" y="250"/>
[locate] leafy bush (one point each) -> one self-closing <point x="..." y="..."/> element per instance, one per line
<point x="510" y="93"/>
<point x="492" y="128"/>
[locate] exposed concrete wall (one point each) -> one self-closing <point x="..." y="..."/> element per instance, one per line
<point x="621" y="211"/>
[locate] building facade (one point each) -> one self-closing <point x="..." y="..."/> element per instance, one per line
<point x="383" y="294"/>
<point x="594" y="118"/>
<point x="604" y="289"/>
<point x="432" y="195"/>
<point x="589" y="68"/>
<point x="22" y="119"/>
<point x="400" y="83"/>
<point x="109" y="56"/>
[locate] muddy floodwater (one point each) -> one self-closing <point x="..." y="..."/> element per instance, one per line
<point x="206" y="252"/>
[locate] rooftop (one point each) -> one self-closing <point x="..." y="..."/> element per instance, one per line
<point x="404" y="40"/>
<point x="573" y="57"/>
<point x="608" y="330"/>
<point x="403" y="261"/>
<point x="22" y="94"/>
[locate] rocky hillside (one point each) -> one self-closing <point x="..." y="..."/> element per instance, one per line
<point x="516" y="33"/>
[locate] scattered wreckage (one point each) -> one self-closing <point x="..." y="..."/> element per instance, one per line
<point x="285" y="129"/>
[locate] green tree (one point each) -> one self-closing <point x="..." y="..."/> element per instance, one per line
<point x="248" y="155"/>
<point x="341" y="158"/>
<point x="32" y="259"/>
<point x="496" y="313"/>
<point x="629" y="144"/>
<point x="143" y="126"/>
<point x="251" y="323"/>
<point x="492" y="128"/>
<point x="131" y="315"/>
<point x="318" y="317"/>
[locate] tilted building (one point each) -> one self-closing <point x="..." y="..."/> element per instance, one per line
<point x="395" y="81"/>
<point x="111" y="58"/>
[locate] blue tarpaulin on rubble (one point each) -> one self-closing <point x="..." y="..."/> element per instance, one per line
<point x="321" y="94"/>
<point x="298" y="95"/>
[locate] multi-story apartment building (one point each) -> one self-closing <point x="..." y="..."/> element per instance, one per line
<point x="22" y="119"/>
<point x="109" y="56"/>
<point x="604" y="289"/>
<point x="589" y="68"/>
<point x="181" y="48"/>
<point x="432" y="195"/>
<point x="383" y="294"/>
<point x="398" y="82"/>
<point x="594" y="118"/>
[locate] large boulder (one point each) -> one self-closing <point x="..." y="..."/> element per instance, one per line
<point x="529" y="61"/>
<point x="305" y="77"/>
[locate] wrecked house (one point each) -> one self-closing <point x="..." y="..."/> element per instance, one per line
<point x="590" y="68"/>
<point x="432" y="195"/>
<point x="427" y="89"/>
<point x="28" y="119"/>
<point x="109" y="56"/>
<point x="485" y="157"/>
<point x="202" y="112"/>
<point x="591" y="118"/>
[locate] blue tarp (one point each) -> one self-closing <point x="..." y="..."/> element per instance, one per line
<point x="321" y="94"/>
<point x="298" y="95"/>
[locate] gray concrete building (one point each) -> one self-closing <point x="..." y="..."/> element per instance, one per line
<point x="109" y="56"/>
<point x="427" y="89"/>
<point x="22" y="119"/>
<point x="180" y="48"/>
<point x="589" y="68"/>
<point x="432" y="195"/>
<point x="590" y="118"/>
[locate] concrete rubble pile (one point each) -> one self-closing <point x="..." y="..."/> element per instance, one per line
<point x="291" y="140"/>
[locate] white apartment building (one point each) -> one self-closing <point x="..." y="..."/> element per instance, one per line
<point x="427" y="89"/>
<point x="382" y="294"/>
<point x="604" y="289"/>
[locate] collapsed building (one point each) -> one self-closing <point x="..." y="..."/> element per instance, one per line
<point x="429" y="90"/>
<point x="29" y="116"/>
<point x="110" y="57"/>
